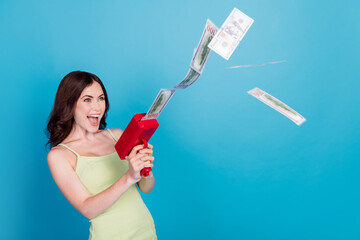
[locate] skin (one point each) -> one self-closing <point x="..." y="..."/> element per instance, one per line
<point x="88" y="140"/>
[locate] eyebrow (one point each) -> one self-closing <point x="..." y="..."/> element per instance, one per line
<point x="91" y="96"/>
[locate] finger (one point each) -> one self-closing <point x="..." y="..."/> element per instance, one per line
<point x="138" y="167"/>
<point x="141" y="165"/>
<point x="147" y="164"/>
<point x="147" y="151"/>
<point x="135" y="150"/>
<point x="150" y="146"/>
<point x="152" y="158"/>
<point x="138" y="147"/>
<point x="136" y="158"/>
<point x="148" y="158"/>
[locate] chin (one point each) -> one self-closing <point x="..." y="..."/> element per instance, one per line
<point x="94" y="129"/>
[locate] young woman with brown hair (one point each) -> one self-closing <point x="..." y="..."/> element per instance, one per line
<point x="86" y="167"/>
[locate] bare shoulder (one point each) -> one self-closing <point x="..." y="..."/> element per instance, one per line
<point x="55" y="153"/>
<point x="117" y="132"/>
<point x="59" y="156"/>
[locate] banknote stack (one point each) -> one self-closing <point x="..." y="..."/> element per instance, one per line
<point x="159" y="103"/>
<point x="199" y="58"/>
<point x="277" y="105"/>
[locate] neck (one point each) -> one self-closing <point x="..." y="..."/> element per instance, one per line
<point x="79" y="133"/>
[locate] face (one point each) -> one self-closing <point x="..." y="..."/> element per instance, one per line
<point x="90" y="108"/>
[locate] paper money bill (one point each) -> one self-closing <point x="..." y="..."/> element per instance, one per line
<point x="190" y="78"/>
<point x="231" y="33"/>
<point x="202" y="51"/>
<point x="159" y="103"/>
<point x="277" y="105"/>
<point x="255" y="65"/>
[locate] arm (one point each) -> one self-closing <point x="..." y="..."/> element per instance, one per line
<point x="146" y="184"/>
<point x="76" y="193"/>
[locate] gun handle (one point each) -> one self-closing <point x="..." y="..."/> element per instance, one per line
<point x="145" y="171"/>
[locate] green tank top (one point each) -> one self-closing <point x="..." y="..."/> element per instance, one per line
<point x="128" y="217"/>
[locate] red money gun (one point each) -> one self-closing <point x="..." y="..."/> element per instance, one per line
<point x="137" y="132"/>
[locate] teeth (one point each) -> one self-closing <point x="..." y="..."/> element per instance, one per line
<point x="94" y="116"/>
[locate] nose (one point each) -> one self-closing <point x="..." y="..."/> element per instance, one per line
<point x="95" y="106"/>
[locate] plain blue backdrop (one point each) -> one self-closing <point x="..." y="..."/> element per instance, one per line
<point x="227" y="166"/>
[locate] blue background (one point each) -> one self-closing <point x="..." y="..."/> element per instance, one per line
<point x="227" y="166"/>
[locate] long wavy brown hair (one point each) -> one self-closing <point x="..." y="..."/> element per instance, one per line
<point x="61" y="118"/>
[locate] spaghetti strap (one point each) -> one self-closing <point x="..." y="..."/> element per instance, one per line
<point x="61" y="144"/>
<point x="111" y="133"/>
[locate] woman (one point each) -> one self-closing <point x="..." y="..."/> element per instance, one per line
<point x="86" y="167"/>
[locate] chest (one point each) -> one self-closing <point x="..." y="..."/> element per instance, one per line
<point x="101" y="147"/>
<point x="94" y="149"/>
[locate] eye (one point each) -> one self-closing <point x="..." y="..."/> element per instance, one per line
<point x="87" y="100"/>
<point x="102" y="98"/>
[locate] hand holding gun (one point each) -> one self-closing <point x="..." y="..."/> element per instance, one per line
<point x="137" y="132"/>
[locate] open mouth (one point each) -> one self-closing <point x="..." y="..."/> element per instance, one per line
<point x="93" y="119"/>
